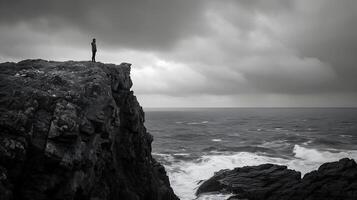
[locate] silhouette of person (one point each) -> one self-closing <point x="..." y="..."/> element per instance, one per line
<point x="94" y="49"/>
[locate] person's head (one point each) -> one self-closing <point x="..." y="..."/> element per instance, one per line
<point x="93" y="39"/>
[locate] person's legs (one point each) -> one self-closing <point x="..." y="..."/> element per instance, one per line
<point x="93" y="56"/>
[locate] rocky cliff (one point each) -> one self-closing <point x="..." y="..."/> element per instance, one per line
<point x="332" y="181"/>
<point x="74" y="130"/>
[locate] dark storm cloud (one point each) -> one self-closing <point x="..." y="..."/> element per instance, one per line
<point x="329" y="34"/>
<point x="311" y="47"/>
<point x="148" y="24"/>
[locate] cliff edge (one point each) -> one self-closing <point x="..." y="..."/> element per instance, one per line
<point x="74" y="130"/>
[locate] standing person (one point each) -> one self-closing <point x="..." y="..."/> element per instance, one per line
<point x="94" y="50"/>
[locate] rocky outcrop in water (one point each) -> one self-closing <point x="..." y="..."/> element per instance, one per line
<point x="332" y="181"/>
<point x="74" y="130"/>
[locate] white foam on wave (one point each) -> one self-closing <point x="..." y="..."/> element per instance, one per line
<point x="186" y="175"/>
<point x="307" y="142"/>
<point x="275" y="144"/>
<point x="344" y="136"/>
<point x="213" y="197"/>
<point x="216" y="140"/>
<point x="181" y="154"/>
<point x="167" y="157"/>
<point x="309" y="159"/>
<point x="195" y="123"/>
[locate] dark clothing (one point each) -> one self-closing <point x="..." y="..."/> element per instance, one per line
<point x="94" y="51"/>
<point x="94" y="46"/>
<point x="93" y="56"/>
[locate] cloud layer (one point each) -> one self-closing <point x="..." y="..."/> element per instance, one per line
<point x="202" y="52"/>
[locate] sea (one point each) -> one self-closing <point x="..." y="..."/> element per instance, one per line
<point x="193" y="143"/>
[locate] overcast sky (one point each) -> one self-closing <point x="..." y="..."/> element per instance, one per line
<point x="200" y="52"/>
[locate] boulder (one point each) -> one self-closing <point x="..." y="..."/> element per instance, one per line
<point x="252" y="182"/>
<point x="332" y="181"/>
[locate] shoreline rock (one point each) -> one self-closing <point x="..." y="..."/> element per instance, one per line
<point x="332" y="181"/>
<point x="75" y="130"/>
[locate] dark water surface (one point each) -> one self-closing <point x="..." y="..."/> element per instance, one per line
<point x="193" y="143"/>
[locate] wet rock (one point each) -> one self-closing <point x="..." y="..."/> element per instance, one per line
<point x="74" y="130"/>
<point x="255" y="182"/>
<point x="336" y="180"/>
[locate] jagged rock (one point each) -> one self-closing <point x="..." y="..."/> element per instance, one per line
<point x="332" y="181"/>
<point x="255" y="182"/>
<point x="74" y="130"/>
<point x="335" y="180"/>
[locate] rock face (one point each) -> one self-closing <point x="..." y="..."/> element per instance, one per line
<point x="253" y="182"/>
<point x="74" y="130"/>
<point x="332" y="181"/>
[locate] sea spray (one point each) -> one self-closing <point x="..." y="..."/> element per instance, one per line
<point x="185" y="176"/>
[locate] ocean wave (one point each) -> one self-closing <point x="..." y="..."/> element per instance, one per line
<point x="308" y="159"/>
<point x="346" y="136"/>
<point x="181" y="154"/>
<point x="307" y="142"/>
<point x="213" y="197"/>
<point x="165" y="159"/>
<point x="327" y="155"/>
<point x="246" y="148"/>
<point x="197" y="123"/>
<point x="275" y="144"/>
<point x="185" y="176"/>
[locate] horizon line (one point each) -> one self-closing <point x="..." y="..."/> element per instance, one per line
<point x="185" y="107"/>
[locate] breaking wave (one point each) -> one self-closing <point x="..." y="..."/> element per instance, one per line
<point x="185" y="176"/>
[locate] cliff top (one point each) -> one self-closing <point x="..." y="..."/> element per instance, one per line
<point x="63" y="78"/>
